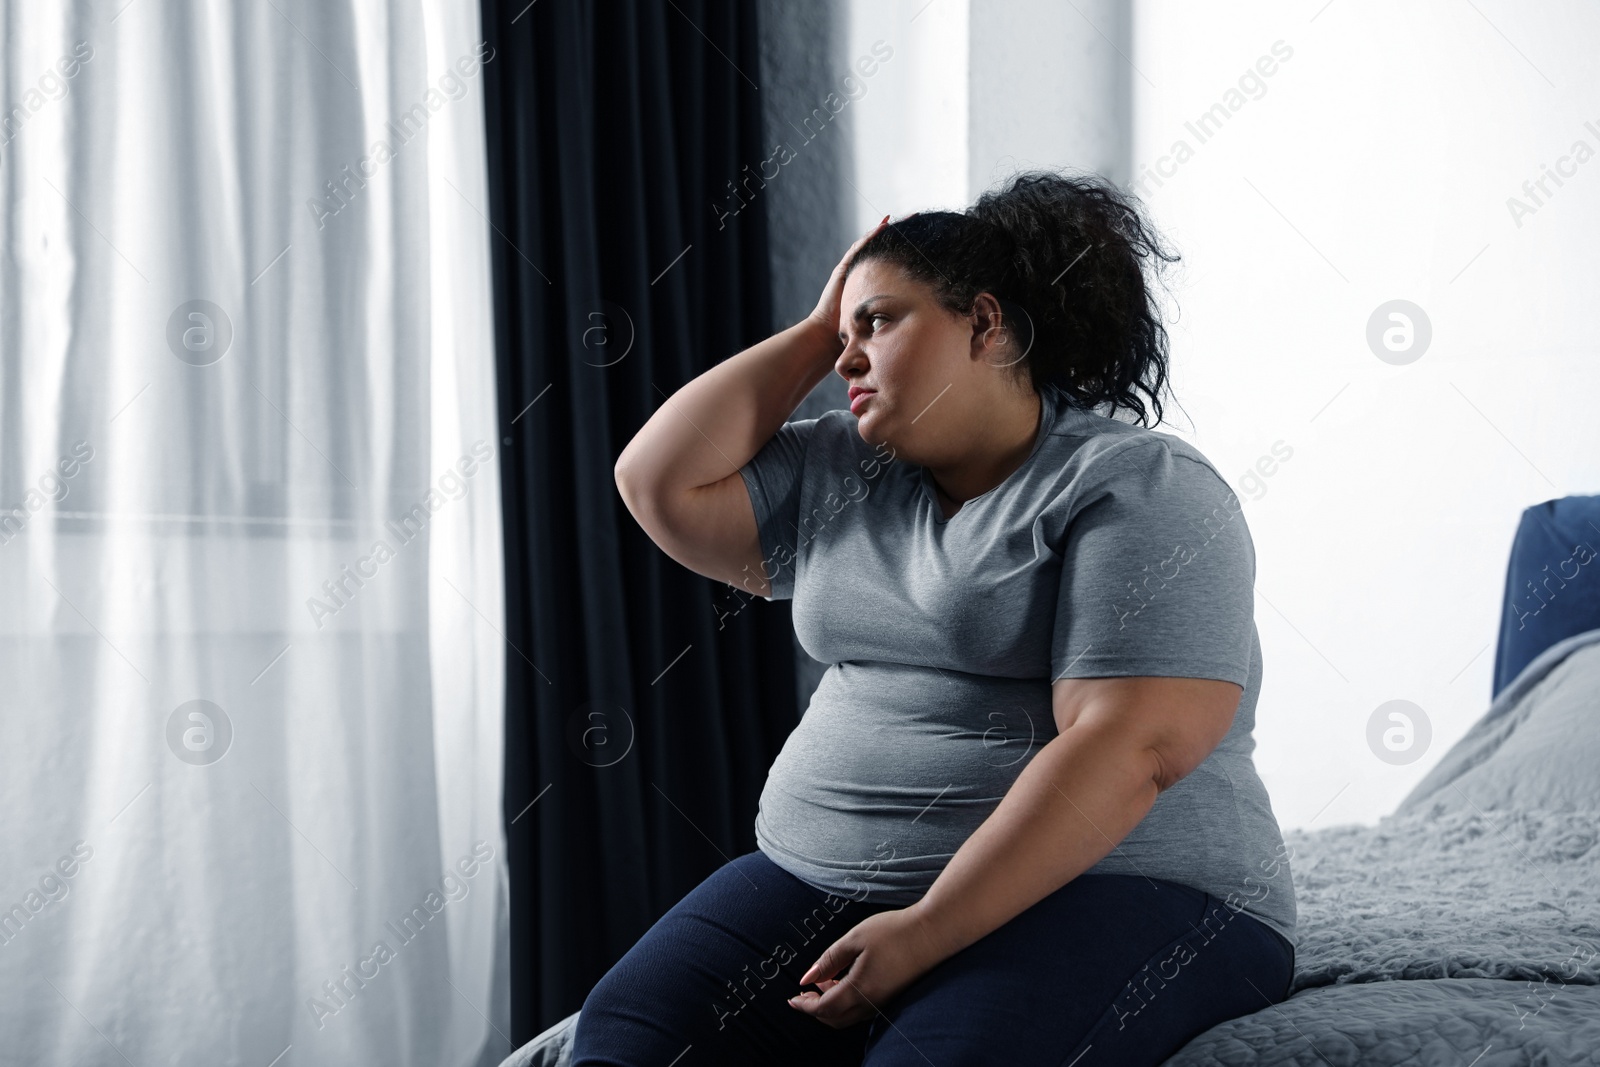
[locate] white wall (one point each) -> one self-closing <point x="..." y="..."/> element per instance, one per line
<point x="978" y="89"/>
<point x="910" y="127"/>
<point x="1374" y="163"/>
<point x="1048" y="86"/>
<point x="1377" y="164"/>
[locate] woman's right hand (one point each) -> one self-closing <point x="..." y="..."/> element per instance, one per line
<point x="827" y="311"/>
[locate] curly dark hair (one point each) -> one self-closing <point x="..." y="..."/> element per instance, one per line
<point x="1067" y="258"/>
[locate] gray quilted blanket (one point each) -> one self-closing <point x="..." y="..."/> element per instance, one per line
<point x="1465" y="928"/>
<point x="1471" y="939"/>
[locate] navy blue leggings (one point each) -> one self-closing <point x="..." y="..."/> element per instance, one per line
<point x="1107" y="970"/>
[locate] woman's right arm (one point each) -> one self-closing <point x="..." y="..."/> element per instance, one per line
<point x="679" y="476"/>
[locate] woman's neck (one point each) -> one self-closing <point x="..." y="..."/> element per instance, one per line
<point x="993" y="459"/>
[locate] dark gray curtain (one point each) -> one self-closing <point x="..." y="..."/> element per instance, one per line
<point x="644" y="703"/>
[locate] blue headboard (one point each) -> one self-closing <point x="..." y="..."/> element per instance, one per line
<point x="1552" y="582"/>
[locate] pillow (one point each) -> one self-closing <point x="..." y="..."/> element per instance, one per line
<point x="1538" y="745"/>
<point x="1552" y="582"/>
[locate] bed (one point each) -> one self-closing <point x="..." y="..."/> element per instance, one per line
<point x="1464" y="928"/>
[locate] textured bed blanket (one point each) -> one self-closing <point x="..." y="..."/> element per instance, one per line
<point x="1475" y="895"/>
<point x="1538" y="745"/>
<point x="1450" y="1022"/>
<point x="1500" y="909"/>
<point x="1465" y="928"/>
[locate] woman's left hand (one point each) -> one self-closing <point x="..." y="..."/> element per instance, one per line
<point x="884" y="953"/>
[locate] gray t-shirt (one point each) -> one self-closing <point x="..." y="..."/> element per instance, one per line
<point x="1114" y="550"/>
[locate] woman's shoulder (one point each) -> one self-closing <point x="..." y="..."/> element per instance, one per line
<point x="1107" y="451"/>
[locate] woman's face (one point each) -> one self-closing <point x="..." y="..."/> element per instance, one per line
<point x="924" y="365"/>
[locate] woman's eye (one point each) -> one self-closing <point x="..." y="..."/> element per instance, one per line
<point x="874" y="319"/>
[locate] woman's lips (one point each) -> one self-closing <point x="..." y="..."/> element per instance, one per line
<point x="861" y="398"/>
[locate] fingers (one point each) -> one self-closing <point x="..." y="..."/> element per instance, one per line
<point x="820" y="974"/>
<point x="864" y="238"/>
<point x="850" y="254"/>
<point x="827" y="311"/>
<point x="825" y="967"/>
<point x="840" y="1009"/>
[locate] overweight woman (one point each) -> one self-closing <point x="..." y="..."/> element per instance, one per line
<point x="1019" y="822"/>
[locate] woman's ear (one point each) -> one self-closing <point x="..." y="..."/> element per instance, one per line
<point x="994" y="336"/>
<point x="988" y="324"/>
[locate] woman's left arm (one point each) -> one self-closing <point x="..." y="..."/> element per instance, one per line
<point x="1121" y="742"/>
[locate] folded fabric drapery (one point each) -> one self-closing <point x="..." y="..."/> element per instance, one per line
<point x="644" y="702"/>
<point x="249" y="537"/>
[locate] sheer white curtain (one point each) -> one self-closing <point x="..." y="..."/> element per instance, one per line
<point x="250" y="647"/>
